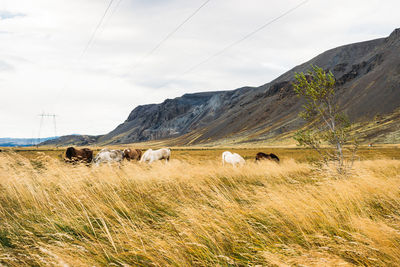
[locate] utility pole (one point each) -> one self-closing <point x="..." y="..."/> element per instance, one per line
<point x="46" y="115"/>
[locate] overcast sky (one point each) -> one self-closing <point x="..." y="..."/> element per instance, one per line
<point x="42" y="68"/>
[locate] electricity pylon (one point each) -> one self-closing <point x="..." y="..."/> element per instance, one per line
<point x="46" y="115"/>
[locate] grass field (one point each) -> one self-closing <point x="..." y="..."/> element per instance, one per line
<point x="204" y="153"/>
<point x="193" y="211"/>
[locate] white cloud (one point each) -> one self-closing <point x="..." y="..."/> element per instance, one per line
<point x="41" y="42"/>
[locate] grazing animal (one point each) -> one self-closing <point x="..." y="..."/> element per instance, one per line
<point x="262" y="156"/>
<point x="232" y="158"/>
<point x="134" y="154"/>
<point x="109" y="155"/>
<point x="74" y="155"/>
<point x="153" y="155"/>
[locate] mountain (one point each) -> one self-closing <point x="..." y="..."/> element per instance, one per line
<point x="74" y="139"/>
<point x="11" y="142"/>
<point x="368" y="87"/>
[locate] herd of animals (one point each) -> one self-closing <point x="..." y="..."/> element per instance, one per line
<point x="74" y="155"/>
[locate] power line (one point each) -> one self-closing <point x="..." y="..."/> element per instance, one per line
<point x="244" y="38"/>
<point x="91" y="40"/>
<point x="247" y="36"/>
<point x="66" y="83"/>
<point x="159" y="44"/>
<point x="92" y="37"/>
<point x="114" y="10"/>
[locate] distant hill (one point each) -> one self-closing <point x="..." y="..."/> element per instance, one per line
<point x="11" y="142"/>
<point x="368" y="86"/>
<point x="70" y="140"/>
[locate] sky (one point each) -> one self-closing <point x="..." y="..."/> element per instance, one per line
<point x="49" y="65"/>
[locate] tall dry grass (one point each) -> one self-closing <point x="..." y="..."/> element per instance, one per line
<point x="197" y="213"/>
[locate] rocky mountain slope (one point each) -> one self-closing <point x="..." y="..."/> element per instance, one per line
<point x="368" y="85"/>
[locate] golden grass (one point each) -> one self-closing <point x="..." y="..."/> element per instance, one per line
<point x="196" y="212"/>
<point x="206" y="153"/>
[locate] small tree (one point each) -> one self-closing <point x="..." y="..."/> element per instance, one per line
<point x="325" y="123"/>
